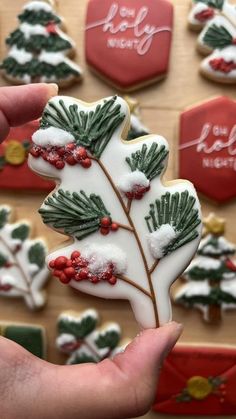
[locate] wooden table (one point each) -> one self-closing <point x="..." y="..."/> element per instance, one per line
<point x="161" y="107"/>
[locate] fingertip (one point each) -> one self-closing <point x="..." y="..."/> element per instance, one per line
<point x="53" y="89"/>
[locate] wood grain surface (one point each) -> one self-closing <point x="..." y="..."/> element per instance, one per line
<point x="161" y="106"/>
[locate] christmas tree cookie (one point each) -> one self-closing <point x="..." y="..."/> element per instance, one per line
<point x="39" y="50"/>
<point x="211" y="277"/>
<point x="133" y="234"/>
<point x="137" y="128"/>
<point x="217" y="21"/>
<point x="23" y="272"/>
<point x="31" y="337"/>
<point x="81" y="339"/>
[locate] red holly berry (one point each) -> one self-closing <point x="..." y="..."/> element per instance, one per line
<point x="60" y="164"/>
<point x="81" y="153"/>
<point x="83" y="273"/>
<point x="60" y="262"/>
<point x="57" y="273"/>
<point x="69" y="263"/>
<point x="70" y="147"/>
<point x="114" y="226"/>
<point x="44" y="155"/>
<point x="107" y="275"/>
<point x="64" y="279"/>
<point x="77" y="277"/>
<point x="112" y="280"/>
<point x="51" y="28"/>
<point x="51" y="264"/>
<point x="94" y="279"/>
<point x="104" y="231"/>
<point x="82" y="263"/>
<point x="129" y="195"/>
<point x="75" y="254"/>
<point x="71" y="160"/>
<point x="105" y="222"/>
<point x="61" y="151"/>
<point x="35" y="152"/>
<point x="204" y="15"/>
<point x="6" y="287"/>
<point x="69" y="272"/>
<point x="230" y="265"/>
<point x="86" y="163"/>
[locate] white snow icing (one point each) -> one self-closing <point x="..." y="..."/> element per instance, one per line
<point x="229" y="286"/>
<point x="137" y="124"/>
<point x="223" y="246"/>
<point x="130" y="180"/>
<point x="227" y="53"/>
<point x="65" y="338"/>
<point x="198" y="8"/>
<point x="29" y="30"/>
<point x="54" y="58"/>
<point x="20" y="55"/>
<point x="33" y="268"/>
<point x="193" y="288"/>
<point x="77" y="319"/>
<point x="38" y="5"/>
<point x="100" y="256"/>
<point x="204" y="262"/>
<point x="159" y="239"/>
<point x="8" y="280"/>
<point x="52" y="136"/>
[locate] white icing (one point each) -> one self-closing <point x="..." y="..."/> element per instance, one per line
<point x="101" y="256"/>
<point x="137" y="124"/>
<point x="52" y="136"/>
<point x="228" y="54"/>
<point x="194" y="288"/>
<point x="20" y="55"/>
<point x="229" y="10"/>
<point x="29" y="30"/>
<point x="159" y="239"/>
<point x="204" y="262"/>
<point x="223" y="246"/>
<point x="38" y="5"/>
<point x="75" y="178"/>
<point x="77" y="319"/>
<point x="53" y="58"/>
<point x="64" y="339"/>
<point x="229" y="286"/>
<point x="197" y="8"/>
<point x="132" y="179"/>
<point x="218" y="21"/>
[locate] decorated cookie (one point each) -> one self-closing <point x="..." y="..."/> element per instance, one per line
<point x="137" y="128"/>
<point x="31" y="337"/>
<point x="211" y="277"/>
<point x="39" y="49"/>
<point x="217" y="19"/>
<point x="14" y="171"/>
<point x="207" y="136"/>
<point x="81" y="339"/>
<point x="198" y="380"/>
<point x="132" y="233"/>
<point x="128" y="42"/>
<point x="23" y="272"/>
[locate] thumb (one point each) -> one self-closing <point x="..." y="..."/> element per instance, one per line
<point x="120" y="388"/>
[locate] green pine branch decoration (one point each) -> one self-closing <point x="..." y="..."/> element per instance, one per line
<point x="37" y="254"/>
<point x="177" y="210"/>
<point x="92" y="129"/>
<point x="216" y="4"/>
<point x="217" y="37"/>
<point x="21" y="232"/>
<point x="215" y="297"/>
<point x="108" y="339"/>
<point x="4" y="216"/>
<point x="37" y="43"/>
<point x="39" y="17"/>
<point x="75" y="213"/>
<point x="149" y="162"/>
<point x="78" y="327"/>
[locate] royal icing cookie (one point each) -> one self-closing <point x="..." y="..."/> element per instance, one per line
<point x="128" y="43"/>
<point x="132" y="233"/>
<point x="211" y="277"/>
<point x="198" y="379"/>
<point x="39" y="50"/>
<point x="207" y="138"/>
<point x="14" y="170"/>
<point x="137" y="128"/>
<point x="80" y="338"/>
<point x="23" y="272"/>
<point x="31" y="337"/>
<point x="217" y="19"/>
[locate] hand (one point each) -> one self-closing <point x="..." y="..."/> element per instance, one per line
<point x="31" y="388"/>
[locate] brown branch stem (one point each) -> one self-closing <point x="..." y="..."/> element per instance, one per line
<point x="153" y="267"/>
<point x="130" y="282"/>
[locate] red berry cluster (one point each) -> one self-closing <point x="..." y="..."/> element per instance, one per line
<point x="106" y="225"/>
<point x="137" y="192"/>
<point x="59" y="156"/>
<point x="77" y="268"/>
<point x="5" y="287"/>
<point x="219" y="64"/>
<point x="205" y="15"/>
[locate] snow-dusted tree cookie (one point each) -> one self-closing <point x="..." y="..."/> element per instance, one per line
<point x="211" y="276"/>
<point x="23" y="272"/>
<point x="137" y="128"/>
<point x="80" y="337"/>
<point x="39" y="49"/>
<point x="217" y="21"/>
<point x="132" y="233"/>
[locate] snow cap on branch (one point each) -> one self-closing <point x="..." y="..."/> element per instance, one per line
<point x="52" y="136"/>
<point x="160" y="239"/>
<point x="100" y="257"/>
<point x="131" y="180"/>
<point x="38" y="5"/>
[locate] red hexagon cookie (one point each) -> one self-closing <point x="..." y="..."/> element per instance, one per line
<point x="128" y="42"/>
<point x="207" y="148"/>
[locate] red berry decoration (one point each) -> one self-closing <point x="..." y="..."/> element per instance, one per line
<point x="104" y="231"/>
<point x="69" y="272"/>
<point x="105" y="222"/>
<point x="112" y="280"/>
<point x="86" y="163"/>
<point x="114" y="226"/>
<point x="83" y="274"/>
<point x="75" y="255"/>
<point x="60" y="262"/>
<point x="71" y="160"/>
<point x="51" y="264"/>
<point x="81" y="153"/>
<point x="60" y="164"/>
<point x="64" y="279"/>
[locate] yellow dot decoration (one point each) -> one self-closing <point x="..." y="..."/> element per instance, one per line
<point x="199" y="387"/>
<point x="14" y="153"/>
<point x="213" y="224"/>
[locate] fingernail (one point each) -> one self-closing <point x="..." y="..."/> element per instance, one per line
<point x="175" y="332"/>
<point x="53" y="89"/>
